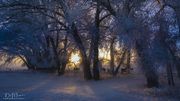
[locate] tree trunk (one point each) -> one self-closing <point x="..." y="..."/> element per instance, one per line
<point x="55" y="53"/>
<point x="86" y="68"/>
<point x="112" y="55"/>
<point x="96" y="75"/>
<point x="79" y="43"/>
<point x="96" y="60"/>
<point x="27" y="63"/>
<point x="170" y="74"/>
<point x="64" y="58"/>
<point x="177" y="63"/>
<point x="96" y="37"/>
<point x="91" y="50"/>
<point x="120" y="63"/>
<point x="176" y="6"/>
<point x="62" y="68"/>
<point x="175" y="59"/>
<point x="128" y="65"/>
<point x="150" y="73"/>
<point x="147" y="65"/>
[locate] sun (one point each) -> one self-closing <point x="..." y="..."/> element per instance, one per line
<point x="75" y="58"/>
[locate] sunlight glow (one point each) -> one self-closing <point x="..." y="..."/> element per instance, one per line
<point x="104" y="54"/>
<point x="75" y="58"/>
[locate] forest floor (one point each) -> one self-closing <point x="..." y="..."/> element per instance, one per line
<point x="36" y="86"/>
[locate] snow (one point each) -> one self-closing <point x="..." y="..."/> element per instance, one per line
<point x="12" y="68"/>
<point x="35" y="86"/>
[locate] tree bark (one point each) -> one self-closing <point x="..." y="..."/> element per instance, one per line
<point x="85" y="61"/>
<point x="29" y="66"/>
<point x="128" y="65"/>
<point x="96" y="37"/>
<point x="147" y="65"/>
<point x="96" y="60"/>
<point x="120" y="63"/>
<point x="176" y="60"/>
<point x="170" y="74"/>
<point x="86" y="68"/>
<point x="56" y="56"/>
<point x="112" y="55"/>
<point x="64" y="58"/>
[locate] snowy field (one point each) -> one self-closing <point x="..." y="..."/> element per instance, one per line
<point x="35" y="86"/>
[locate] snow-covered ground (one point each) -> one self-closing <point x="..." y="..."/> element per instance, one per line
<point x="35" y="86"/>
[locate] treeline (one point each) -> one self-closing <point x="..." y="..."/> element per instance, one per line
<point x="44" y="32"/>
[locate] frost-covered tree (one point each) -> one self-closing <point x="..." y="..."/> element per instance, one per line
<point x="136" y="22"/>
<point x="37" y="40"/>
<point x="43" y="32"/>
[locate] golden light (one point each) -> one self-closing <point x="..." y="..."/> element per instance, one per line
<point x="104" y="54"/>
<point x="75" y="58"/>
